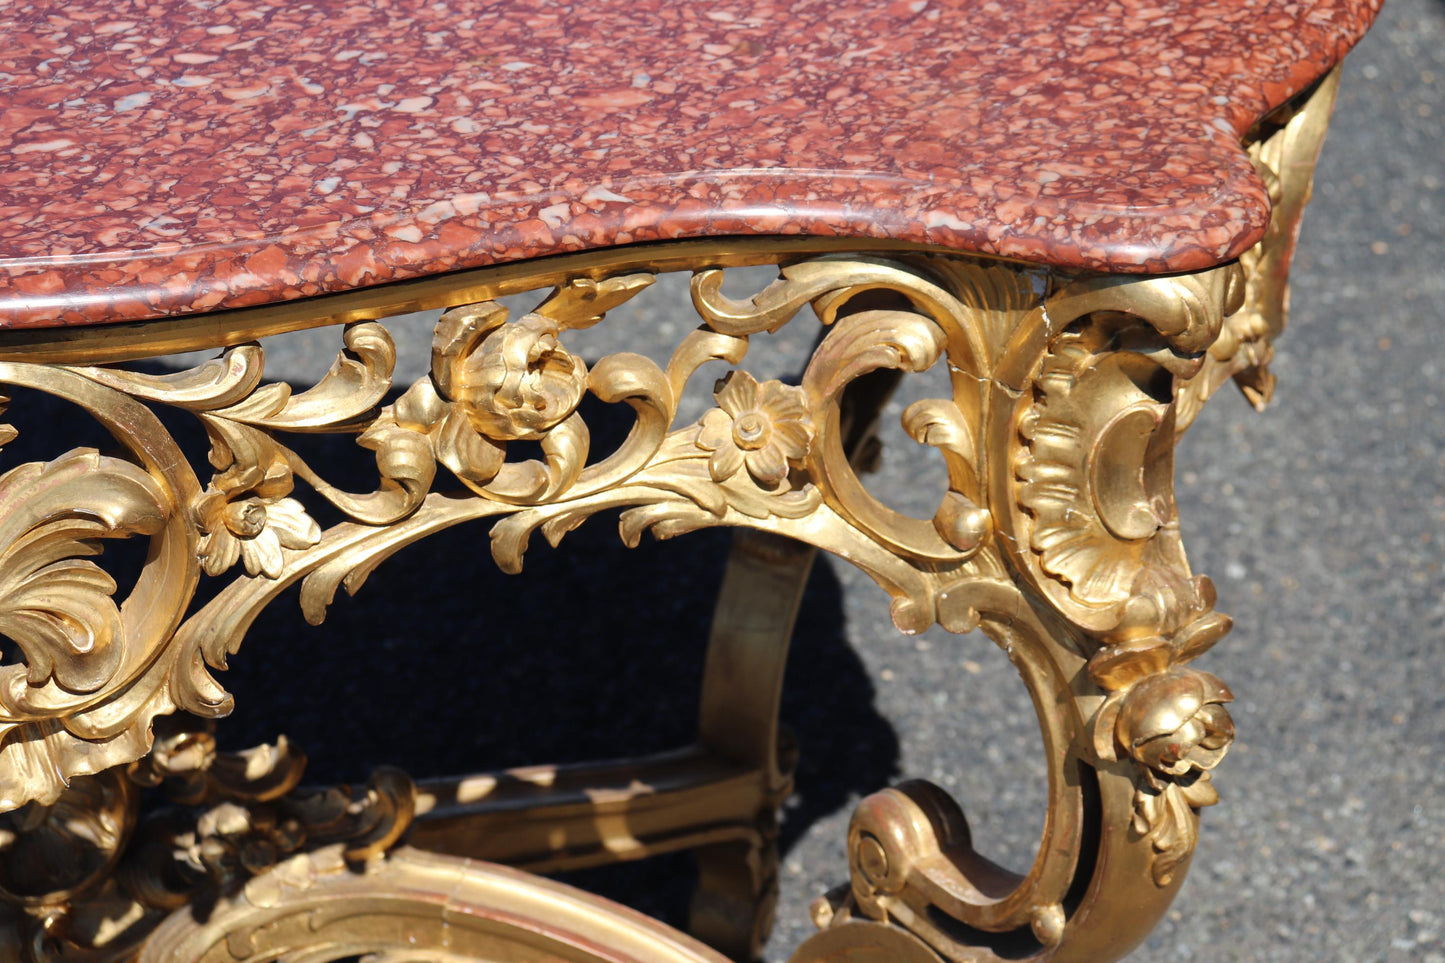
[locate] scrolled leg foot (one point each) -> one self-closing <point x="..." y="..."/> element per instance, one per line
<point x="1117" y="837"/>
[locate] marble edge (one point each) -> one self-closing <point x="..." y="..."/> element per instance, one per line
<point x="78" y="291"/>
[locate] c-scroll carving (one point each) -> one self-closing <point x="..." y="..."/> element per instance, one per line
<point x="92" y="673"/>
<point x="1097" y="529"/>
<point x="1102" y="619"/>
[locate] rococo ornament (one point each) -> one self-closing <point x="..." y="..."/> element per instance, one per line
<point x="1057" y="534"/>
<point x="764" y="427"/>
<point x="1063" y="409"/>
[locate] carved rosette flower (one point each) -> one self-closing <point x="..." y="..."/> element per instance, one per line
<point x="520" y="382"/>
<point x="246" y="517"/>
<point x="761" y="426"/>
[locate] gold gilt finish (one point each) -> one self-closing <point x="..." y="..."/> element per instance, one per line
<point x="1057" y="536"/>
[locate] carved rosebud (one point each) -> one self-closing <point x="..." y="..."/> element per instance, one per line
<point x="1175" y="722"/>
<point x="520" y="381"/>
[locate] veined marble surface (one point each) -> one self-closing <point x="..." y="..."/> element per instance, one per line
<point x="170" y="157"/>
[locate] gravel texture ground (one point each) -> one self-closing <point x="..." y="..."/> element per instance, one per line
<point x="1322" y="523"/>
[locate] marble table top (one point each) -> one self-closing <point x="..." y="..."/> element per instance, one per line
<point x="173" y="156"/>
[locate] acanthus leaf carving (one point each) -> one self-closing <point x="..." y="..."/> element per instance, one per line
<point x="1098" y="533"/>
<point x="582" y="302"/>
<point x="1056" y="532"/>
<point x="213" y="384"/>
<point x="349" y="391"/>
<point x="56" y="603"/>
<point x="1171" y="720"/>
<point x="768" y="454"/>
<point x="1284" y="148"/>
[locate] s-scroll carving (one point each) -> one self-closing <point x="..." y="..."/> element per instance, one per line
<point x="769" y="455"/>
<point x="1098" y="529"/>
<point x="1058" y="534"/>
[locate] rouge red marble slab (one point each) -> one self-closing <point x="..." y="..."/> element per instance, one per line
<point x="173" y="156"/>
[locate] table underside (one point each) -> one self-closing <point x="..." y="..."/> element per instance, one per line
<point x="1057" y="536"/>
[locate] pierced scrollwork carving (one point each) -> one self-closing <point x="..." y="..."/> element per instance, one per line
<point x="1057" y="534"/>
<point x="55" y="603"/>
<point x="90" y="673"/>
<point x="93" y="673"/>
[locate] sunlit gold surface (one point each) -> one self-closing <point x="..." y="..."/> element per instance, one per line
<point x="1057" y="535"/>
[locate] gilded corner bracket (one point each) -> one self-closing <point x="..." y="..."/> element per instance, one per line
<point x="1057" y="535"/>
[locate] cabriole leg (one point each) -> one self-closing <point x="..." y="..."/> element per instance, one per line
<point x="742" y="689"/>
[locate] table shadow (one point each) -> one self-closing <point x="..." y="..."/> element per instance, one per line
<point x="441" y="664"/>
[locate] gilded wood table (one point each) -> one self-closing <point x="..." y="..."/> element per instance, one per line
<point x="1083" y="213"/>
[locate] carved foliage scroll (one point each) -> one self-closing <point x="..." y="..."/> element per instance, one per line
<point x="1057" y="530"/>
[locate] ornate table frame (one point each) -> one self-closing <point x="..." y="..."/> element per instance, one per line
<point x="1057" y="536"/>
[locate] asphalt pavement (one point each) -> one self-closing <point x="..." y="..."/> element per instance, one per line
<point x="1322" y="522"/>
